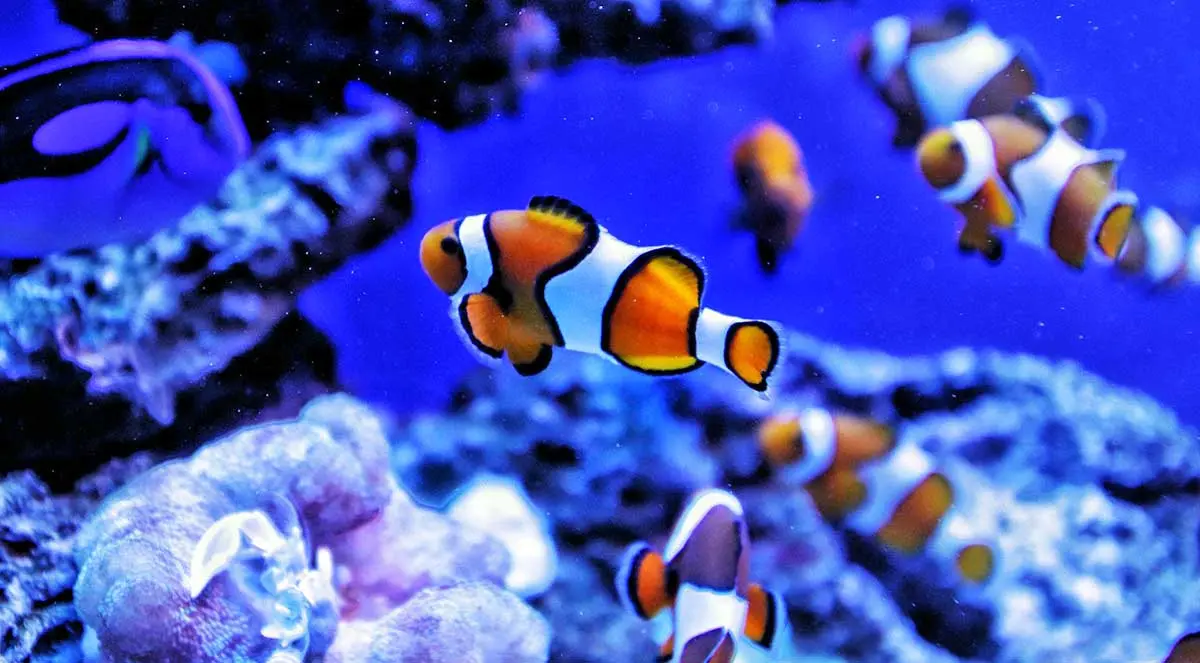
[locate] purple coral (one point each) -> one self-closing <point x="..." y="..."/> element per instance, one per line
<point x="256" y="595"/>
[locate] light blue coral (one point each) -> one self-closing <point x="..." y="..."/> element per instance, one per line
<point x="204" y="559"/>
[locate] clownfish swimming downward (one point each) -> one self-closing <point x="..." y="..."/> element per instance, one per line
<point x="777" y="195"/>
<point x="108" y="142"/>
<point x="700" y="584"/>
<point x="523" y="282"/>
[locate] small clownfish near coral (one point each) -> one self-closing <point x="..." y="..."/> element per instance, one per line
<point x="108" y="142"/>
<point x="700" y="584"/>
<point x="523" y="282"/>
<point x="857" y="475"/>
<point x="1019" y="172"/>
<point x="776" y="193"/>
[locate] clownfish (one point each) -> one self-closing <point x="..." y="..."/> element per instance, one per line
<point x="776" y="193"/>
<point x="523" y="282"/>
<point x="108" y="142"/>
<point x="932" y="73"/>
<point x="700" y="583"/>
<point x="531" y="43"/>
<point x="857" y="475"/>
<point x="1025" y="174"/>
<point x="1160" y="250"/>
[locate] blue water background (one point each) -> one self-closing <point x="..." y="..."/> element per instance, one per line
<point x="646" y="150"/>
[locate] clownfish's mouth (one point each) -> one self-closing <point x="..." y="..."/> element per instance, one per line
<point x="443" y="259"/>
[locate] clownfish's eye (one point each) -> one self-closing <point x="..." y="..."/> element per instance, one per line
<point x="450" y="246"/>
<point x="955" y="148"/>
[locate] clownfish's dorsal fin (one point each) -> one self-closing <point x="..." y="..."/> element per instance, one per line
<point x="559" y="212"/>
<point x="1107" y="163"/>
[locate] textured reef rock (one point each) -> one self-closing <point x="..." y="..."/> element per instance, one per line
<point x="37" y="565"/>
<point x="453" y="62"/>
<point x="411" y="584"/>
<point x="130" y="339"/>
<point x="1094" y="486"/>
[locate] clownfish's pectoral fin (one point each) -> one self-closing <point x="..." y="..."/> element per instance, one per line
<point x="530" y="358"/>
<point x="641" y="582"/>
<point x="996" y="203"/>
<point x="766" y="618"/>
<point x="483" y="325"/>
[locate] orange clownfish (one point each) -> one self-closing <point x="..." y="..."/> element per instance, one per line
<point x="857" y="475"/>
<point x="523" y="282"/>
<point x="932" y="73"/>
<point x="776" y="193"/>
<point x="1022" y="173"/>
<point x="700" y="583"/>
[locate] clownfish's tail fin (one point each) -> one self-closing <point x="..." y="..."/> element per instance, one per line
<point x="751" y="350"/>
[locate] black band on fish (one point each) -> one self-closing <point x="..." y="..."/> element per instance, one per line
<point x="771" y="622"/>
<point x="495" y="284"/>
<point x="693" y="320"/>
<point x="591" y="239"/>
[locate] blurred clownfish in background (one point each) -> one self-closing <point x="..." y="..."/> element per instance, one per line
<point x="523" y="282"/>
<point x="1026" y="173"/>
<point x="531" y="43"/>
<point x="932" y="73"/>
<point x="858" y="476"/>
<point x="109" y="142"/>
<point x="1160" y="250"/>
<point x="776" y="193"/>
<point x="700" y="585"/>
